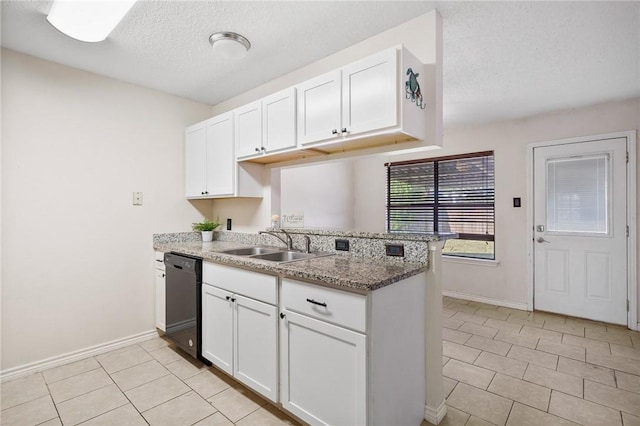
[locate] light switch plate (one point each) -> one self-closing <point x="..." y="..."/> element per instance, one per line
<point x="137" y="198"/>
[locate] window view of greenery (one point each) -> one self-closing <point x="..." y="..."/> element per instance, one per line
<point x="445" y="195"/>
<point x="469" y="248"/>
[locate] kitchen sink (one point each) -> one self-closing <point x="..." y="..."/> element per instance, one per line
<point x="272" y="254"/>
<point x="251" y="251"/>
<point x="286" y="256"/>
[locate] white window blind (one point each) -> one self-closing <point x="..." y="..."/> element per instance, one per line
<point x="577" y="194"/>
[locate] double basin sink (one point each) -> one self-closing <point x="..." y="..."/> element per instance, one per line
<point x="273" y="254"/>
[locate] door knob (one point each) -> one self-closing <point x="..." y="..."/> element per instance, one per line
<point x="542" y="240"/>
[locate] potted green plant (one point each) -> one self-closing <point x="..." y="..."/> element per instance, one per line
<point x="206" y="227"/>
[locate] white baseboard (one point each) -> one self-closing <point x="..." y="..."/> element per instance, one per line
<point x="34" y="367"/>
<point x="487" y="300"/>
<point x="435" y="415"/>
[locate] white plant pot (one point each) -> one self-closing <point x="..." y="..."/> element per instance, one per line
<point x="207" y="236"/>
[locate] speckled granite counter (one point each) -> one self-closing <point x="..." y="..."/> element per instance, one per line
<point x="344" y="271"/>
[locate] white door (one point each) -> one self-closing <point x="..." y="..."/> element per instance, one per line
<point x="221" y="162"/>
<point x="319" y="103"/>
<point x="195" y="155"/>
<point x="369" y="99"/>
<point x="248" y="129"/>
<point x="256" y="346"/>
<point x="217" y="327"/>
<point x="279" y="120"/>
<point x="322" y="371"/>
<point x="580" y="227"/>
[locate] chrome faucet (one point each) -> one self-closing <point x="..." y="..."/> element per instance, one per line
<point x="307" y="241"/>
<point x="288" y="241"/>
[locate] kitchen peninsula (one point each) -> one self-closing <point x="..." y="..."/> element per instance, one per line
<point x="360" y="328"/>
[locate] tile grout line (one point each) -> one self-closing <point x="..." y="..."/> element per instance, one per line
<point x="127" y="397"/>
<point x="55" y="406"/>
<point x="73" y="375"/>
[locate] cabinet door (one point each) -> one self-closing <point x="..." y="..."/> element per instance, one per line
<point x="255" y="346"/>
<point x="160" y="300"/>
<point x="195" y="155"/>
<point x="319" y="103"/>
<point x="279" y="120"/>
<point x="217" y="327"/>
<point x="248" y="129"/>
<point x="221" y="162"/>
<point x="369" y="98"/>
<point x="322" y="371"/>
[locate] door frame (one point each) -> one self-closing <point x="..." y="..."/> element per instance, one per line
<point x="632" y="283"/>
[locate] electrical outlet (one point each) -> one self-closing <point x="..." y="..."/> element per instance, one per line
<point x="137" y="198"/>
<point x="394" y="249"/>
<point x="342" y="245"/>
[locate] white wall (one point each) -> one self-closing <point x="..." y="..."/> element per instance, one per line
<point x="323" y="193"/>
<point x="77" y="262"/>
<point x="508" y="139"/>
<point x="418" y="36"/>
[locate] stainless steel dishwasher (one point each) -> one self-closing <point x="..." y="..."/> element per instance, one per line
<point x="183" y="302"/>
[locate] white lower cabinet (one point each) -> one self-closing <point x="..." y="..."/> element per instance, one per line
<point x="351" y="359"/>
<point x="323" y="371"/>
<point x="217" y="327"/>
<point x="160" y="292"/>
<point x="239" y="333"/>
<point x="344" y="358"/>
<point x="255" y="360"/>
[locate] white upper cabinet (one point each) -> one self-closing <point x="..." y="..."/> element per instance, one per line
<point x="266" y="126"/>
<point x="319" y="103"/>
<point x="221" y="165"/>
<point x="369" y="94"/>
<point x="248" y="129"/>
<point x="211" y="170"/>
<point x="370" y="106"/>
<point x="195" y="154"/>
<point x="279" y="121"/>
<point x="209" y="159"/>
<point x="358" y="98"/>
<point x="364" y="101"/>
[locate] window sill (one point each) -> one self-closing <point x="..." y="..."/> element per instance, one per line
<point x="471" y="261"/>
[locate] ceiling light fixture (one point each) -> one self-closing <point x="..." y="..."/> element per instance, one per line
<point x="88" y="20"/>
<point x="230" y="45"/>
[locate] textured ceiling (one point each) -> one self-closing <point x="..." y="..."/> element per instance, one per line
<point x="501" y="59"/>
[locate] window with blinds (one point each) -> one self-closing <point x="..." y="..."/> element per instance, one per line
<point x="446" y="194"/>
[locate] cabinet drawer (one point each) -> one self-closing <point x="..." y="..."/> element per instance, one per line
<point x="327" y="304"/>
<point x="258" y="286"/>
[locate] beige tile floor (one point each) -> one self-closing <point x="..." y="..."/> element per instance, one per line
<point x="149" y="383"/>
<point x="505" y="366"/>
<point x="501" y="366"/>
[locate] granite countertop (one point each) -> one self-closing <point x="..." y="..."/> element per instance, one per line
<point x="342" y="271"/>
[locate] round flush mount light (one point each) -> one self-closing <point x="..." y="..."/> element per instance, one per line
<point x="229" y="45"/>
